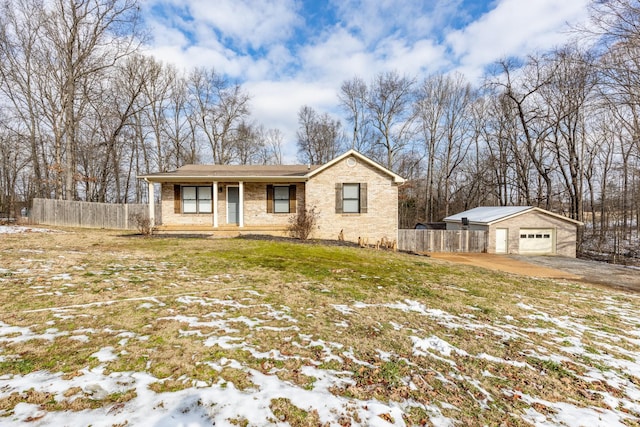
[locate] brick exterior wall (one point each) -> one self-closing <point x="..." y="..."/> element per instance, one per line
<point x="168" y="212"/>
<point x="565" y="232"/>
<point x="381" y="219"/>
<point x="255" y="206"/>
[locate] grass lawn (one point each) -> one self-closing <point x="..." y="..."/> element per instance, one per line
<point x="101" y="328"/>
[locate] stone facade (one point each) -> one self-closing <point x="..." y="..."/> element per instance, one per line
<point x="381" y="218"/>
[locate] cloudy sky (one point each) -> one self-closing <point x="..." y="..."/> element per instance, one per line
<point x="289" y="53"/>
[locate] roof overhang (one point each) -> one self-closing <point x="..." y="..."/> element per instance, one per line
<point x="210" y="179"/>
<point x="513" y="215"/>
<point x="293" y="173"/>
<point x="540" y="210"/>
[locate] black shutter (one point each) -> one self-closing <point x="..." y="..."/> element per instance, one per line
<point x="292" y="198"/>
<point x="338" y="198"/>
<point x="177" y="205"/>
<point x="363" y="197"/>
<point x="269" y="198"/>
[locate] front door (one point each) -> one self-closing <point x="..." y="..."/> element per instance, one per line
<point x="502" y="236"/>
<point x="233" y="204"/>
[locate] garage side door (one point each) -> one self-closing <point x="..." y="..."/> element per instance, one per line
<point x="536" y="241"/>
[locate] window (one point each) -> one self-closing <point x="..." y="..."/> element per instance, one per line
<point x="196" y="199"/>
<point x="281" y="199"/>
<point x="351" y="198"/>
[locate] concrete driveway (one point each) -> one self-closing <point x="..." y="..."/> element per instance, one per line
<point x="589" y="271"/>
<point x="554" y="267"/>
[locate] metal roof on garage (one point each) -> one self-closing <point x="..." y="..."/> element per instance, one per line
<point x="490" y="214"/>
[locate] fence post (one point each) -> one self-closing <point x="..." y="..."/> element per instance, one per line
<point x="466" y="241"/>
<point x="81" y="214"/>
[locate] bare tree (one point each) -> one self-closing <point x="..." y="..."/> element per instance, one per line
<point x="271" y="141"/>
<point x="319" y="136"/>
<point x="249" y="144"/>
<point x="85" y="38"/>
<point x="390" y="107"/>
<point x="154" y="107"/>
<point x="20" y="32"/>
<point x="500" y="129"/>
<point x="565" y="96"/>
<point x="120" y="100"/>
<point x="531" y="148"/>
<point x="221" y="109"/>
<point x="14" y="159"/>
<point x="442" y="114"/>
<point x="429" y="113"/>
<point x="353" y="97"/>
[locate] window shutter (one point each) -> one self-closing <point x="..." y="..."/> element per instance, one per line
<point x="363" y="197"/>
<point x="269" y="198"/>
<point x="292" y="199"/>
<point x="176" y="200"/>
<point x="338" y="197"/>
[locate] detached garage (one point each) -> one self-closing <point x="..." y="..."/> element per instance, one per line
<point x="524" y="230"/>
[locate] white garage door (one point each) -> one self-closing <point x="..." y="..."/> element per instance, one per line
<point x="536" y="241"/>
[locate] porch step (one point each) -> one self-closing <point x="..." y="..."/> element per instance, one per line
<point x="222" y="231"/>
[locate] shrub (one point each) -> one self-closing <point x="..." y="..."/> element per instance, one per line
<point x="143" y="223"/>
<point x="301" y="225"/>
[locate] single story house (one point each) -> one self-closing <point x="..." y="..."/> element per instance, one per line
<point x="351" y="194"/>
<point x="524" y="230"/>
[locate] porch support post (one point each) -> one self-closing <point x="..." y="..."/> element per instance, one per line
<point x="241" y="204"/>
<point x="152" y="205"/>
<point x="215" y="204"/>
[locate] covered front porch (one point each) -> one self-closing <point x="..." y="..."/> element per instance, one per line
<point x="200" y="199"/>
<point x="226" y="208"/>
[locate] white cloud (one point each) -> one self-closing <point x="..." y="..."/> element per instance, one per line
<point x="275" y="104"/>
<point x="253" y="23"/>
<point x="247" y="23"/>
<point x="515" y="27"/>
<point x="337" y="57"/>
<point x="257" y="43"/>
<point x="420" y="58"/>
<point x="376" y="19"/>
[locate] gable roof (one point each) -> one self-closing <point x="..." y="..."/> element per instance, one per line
<point x="487" y="215"/>
<point x="257" y="173"/>
<point x="396" y="178"/>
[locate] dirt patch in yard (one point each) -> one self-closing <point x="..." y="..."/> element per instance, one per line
<point x="504" y="263"/>
<point x="554" y="267"/>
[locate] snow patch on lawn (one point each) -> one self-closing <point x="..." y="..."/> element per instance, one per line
<point x="15" y="229"/>
<point x="216" y="322"/>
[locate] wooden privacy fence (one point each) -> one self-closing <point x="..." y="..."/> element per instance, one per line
<point x="88" y="214"/>
<point x="442" y="240"/>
